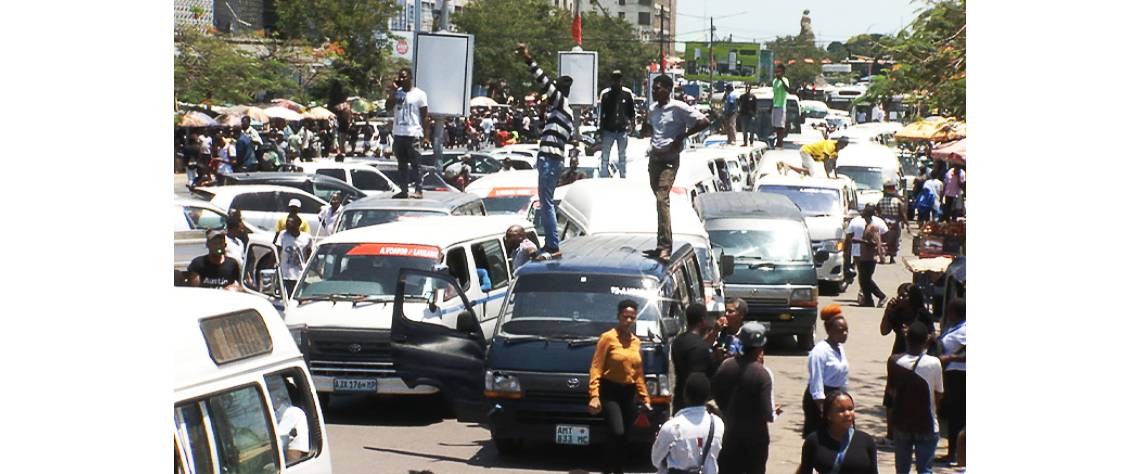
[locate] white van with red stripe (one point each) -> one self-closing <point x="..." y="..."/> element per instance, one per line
<point x="506" y="192"/>
<point x="340" y="313"/>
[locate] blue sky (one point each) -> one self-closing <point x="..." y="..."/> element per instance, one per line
<point x="832" y="20"/>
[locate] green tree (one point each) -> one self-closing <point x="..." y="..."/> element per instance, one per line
<point x="546" y="31"/>
<point x="208" y="66"/>
<point x="930" y="60"/>
<point x="352" y="38"/>
<point x="789" y="48"/>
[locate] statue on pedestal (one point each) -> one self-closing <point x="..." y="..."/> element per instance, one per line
<point x="805" y="27"/>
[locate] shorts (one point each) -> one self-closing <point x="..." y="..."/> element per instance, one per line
<point x="808" y="162"/>
<point x="778" y="117"/>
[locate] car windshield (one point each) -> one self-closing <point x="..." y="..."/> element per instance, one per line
<point x="812" y="201"/>
<point x="361" y="269"/>
<point x="777" y="242"/>
<point x="367" y="217"/>
<point x="865" y="178"/>
<point x="506" y="204"/>
<point x="575" y="305"/>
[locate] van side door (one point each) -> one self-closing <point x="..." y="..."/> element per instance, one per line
<point x="448" y="356"/>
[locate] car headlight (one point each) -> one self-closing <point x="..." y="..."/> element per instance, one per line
<point x="804" y="297"/>
<point x="500" y="384"/>
<point x="832" y="246"/>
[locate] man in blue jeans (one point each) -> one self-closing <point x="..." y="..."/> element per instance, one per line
<point x="558" y="129"/>
<point x="915" y="379"/>
<point x="615" y="115"/>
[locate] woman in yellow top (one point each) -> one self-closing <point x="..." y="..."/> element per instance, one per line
<point x="617" y="383"/>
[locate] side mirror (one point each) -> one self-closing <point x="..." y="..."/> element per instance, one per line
<point x="467" y="323"/>
<point x="671" y="327"/>
<point x="727" y="265"/>
<point x="821" y="256"/>
<point x="267" y="282"/>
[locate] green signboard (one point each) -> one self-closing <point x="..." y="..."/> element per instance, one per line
<point x="728" y="61"/>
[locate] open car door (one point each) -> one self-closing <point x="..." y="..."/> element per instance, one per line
<point x="437" y="341"/>
<point x="261" y="274"/>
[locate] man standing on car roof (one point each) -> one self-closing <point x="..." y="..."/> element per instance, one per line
<point x="615" y="116"/>
<point x="780" y="86"/>
<point x="409" y="106"/>
<point x="673" y="121"/>
<point x="559" y="126"/>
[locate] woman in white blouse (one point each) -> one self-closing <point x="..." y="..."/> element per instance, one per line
<point x="827" y="367"/>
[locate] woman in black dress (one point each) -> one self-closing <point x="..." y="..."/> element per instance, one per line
<point x="837" y="447"/>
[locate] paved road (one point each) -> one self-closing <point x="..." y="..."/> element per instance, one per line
<point x="370" y="434"/>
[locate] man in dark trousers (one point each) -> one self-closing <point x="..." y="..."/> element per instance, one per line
<point x="673" y="121"/>
<point x="748" y="106"/>
<point x="615" y="115"/>
<point x="409" y="107"/>
<point x="691" y="352"/>
<point x="742" y="388"/>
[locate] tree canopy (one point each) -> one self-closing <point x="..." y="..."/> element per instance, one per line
<point x="788" y="48"/>
<point x="206" y="66"/>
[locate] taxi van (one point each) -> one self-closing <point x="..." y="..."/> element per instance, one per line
<point x="243" y="398"/>
<point x="529" y="380"/>
<point x="694" y="177"/>
<point x="384" y="209"/>
<point x="767" y="259"/>
<point x="340" y="313"/>
<point x="589" y="209"/>
<point x="507" y="192"/>
<point x="869" y="165"/>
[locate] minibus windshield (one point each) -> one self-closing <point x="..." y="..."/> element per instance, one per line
<point x="576" y="305"/>
<point x="361" y="270"/>
<point x="366" y="217"/>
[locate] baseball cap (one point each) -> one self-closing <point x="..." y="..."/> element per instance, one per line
<point x="215" y="233"/>
<point x="294" y="202"/>
<point x="616" y="72"/>
<point x="753" y="334"/>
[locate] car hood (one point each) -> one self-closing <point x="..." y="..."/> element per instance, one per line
<point x="340" y="314"/>
<point x="825" y="227"/>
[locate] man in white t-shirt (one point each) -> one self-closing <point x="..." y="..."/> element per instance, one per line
<point x="409" y="107"/>
<point x="915" y="379"/>
<point x="330" y="213"/>
<point x="866" y="250"/>
<point x="295" y="247"/>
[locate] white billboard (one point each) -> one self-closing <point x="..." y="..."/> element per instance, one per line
<point x="443" y="66"/>
<point x="837" y="68"/>
<point x="582" y="66"/>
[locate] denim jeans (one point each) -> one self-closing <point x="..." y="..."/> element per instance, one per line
<point x="919" y="447"/>
<point x="608" y="139"/>
<point x="548" y="172"/>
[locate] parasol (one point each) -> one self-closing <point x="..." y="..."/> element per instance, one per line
<point x="282" y="112"/>
<point x="483" y="102"/>
<point x="952" y="152"/>
<point x="197" y="119"/>
<point x="288" y="104"/>
<point x="254" y="113"/>
<point x="319" y="113"/>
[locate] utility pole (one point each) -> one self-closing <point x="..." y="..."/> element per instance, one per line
<point x="712" y="57"/>
<point x="662" y="12"/>
<point x="437" y="126"/>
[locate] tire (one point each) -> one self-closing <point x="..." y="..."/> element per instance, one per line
<point x="832" y="288"/>
<point x="507" y="446"/>
<point x="805" y="341"/>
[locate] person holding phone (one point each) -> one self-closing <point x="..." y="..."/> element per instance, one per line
<point x="617" y="383"/>
<point x="409" y="107"/>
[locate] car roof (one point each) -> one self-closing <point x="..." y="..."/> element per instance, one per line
<point x="505" y="179"/>
<point x="431" y="200"/>
<point x="746" y="204"/>
<point x="326" y="163"/>
<point x="193" y="364"/>
<point x="231" y="190"/>
<point x="868" y="154"/>
<point x="612" y="254"/>
<point x="624" y="206"/>
<point x="280" y="176"/>
<point x="192" y="202"/>
<point x="805" y="181"/>
<point x="442" y="231"/>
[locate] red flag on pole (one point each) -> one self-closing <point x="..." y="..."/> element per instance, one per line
<point x="576" y="29"/>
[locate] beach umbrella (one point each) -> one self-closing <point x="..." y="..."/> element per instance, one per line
<point x="952" y="152"/>
<point x="483" y="102"/>
<point x="282" y="112"/>
<point x="319" y="113"/>
<point x="288" y="104"/>
<point x="197" y="119"/>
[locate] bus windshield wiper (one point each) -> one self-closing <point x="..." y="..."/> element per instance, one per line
<point x="584" y="341"/>
<point x="524" y="338"/>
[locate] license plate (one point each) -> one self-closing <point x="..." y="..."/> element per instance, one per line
<point x="354" y="385"/>
<point x="572" y="434"/>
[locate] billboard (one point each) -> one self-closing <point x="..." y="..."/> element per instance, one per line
<point x="443" y="67"/>
<point x="725" y="61"/>
<point x="582" y="66"/>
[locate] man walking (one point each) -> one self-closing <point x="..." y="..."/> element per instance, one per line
<point x="615" y="115"/>
<point x="864" y="238"/>
<point x="559" y="126"/>
<point x="691" y="440"/>
<point x="915" y="379"/>
<point x="742" y="388"/>
<point x="893" y="211"/>
<point x="780" y="86"/>
<point x="411" y="119"/>
<point x="295" y="247"/>
<point x="729" y="120"/>
<point x="673" y="121"/>
<point x="748" y="106"/>
<point x="691" y="353"/>
<point x="330" y="213"/>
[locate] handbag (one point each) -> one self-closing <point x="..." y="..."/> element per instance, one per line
<point x="700" y="469"/>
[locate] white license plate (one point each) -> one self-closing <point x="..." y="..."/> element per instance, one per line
<point x="354" y="385"/>
<point x="572" y="434"/>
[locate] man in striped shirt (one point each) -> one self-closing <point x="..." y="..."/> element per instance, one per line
<point x="558" y="130"/>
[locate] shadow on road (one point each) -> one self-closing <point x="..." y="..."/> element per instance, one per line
<point x="370" y="410"/>
<point x="548" y="457"/>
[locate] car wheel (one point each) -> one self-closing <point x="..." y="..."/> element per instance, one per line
<point x="805" y="341"/>
<point x="507" y="446"/>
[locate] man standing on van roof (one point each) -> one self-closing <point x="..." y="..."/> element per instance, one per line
<point x="673" y="121"/>
<point x="780" y="88"/>
<point x="559" y="125"/>
<point x="409" y="106"/>
<point x="615" y="115"/>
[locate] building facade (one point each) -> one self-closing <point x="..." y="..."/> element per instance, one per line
<point x="644" y="15"/>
